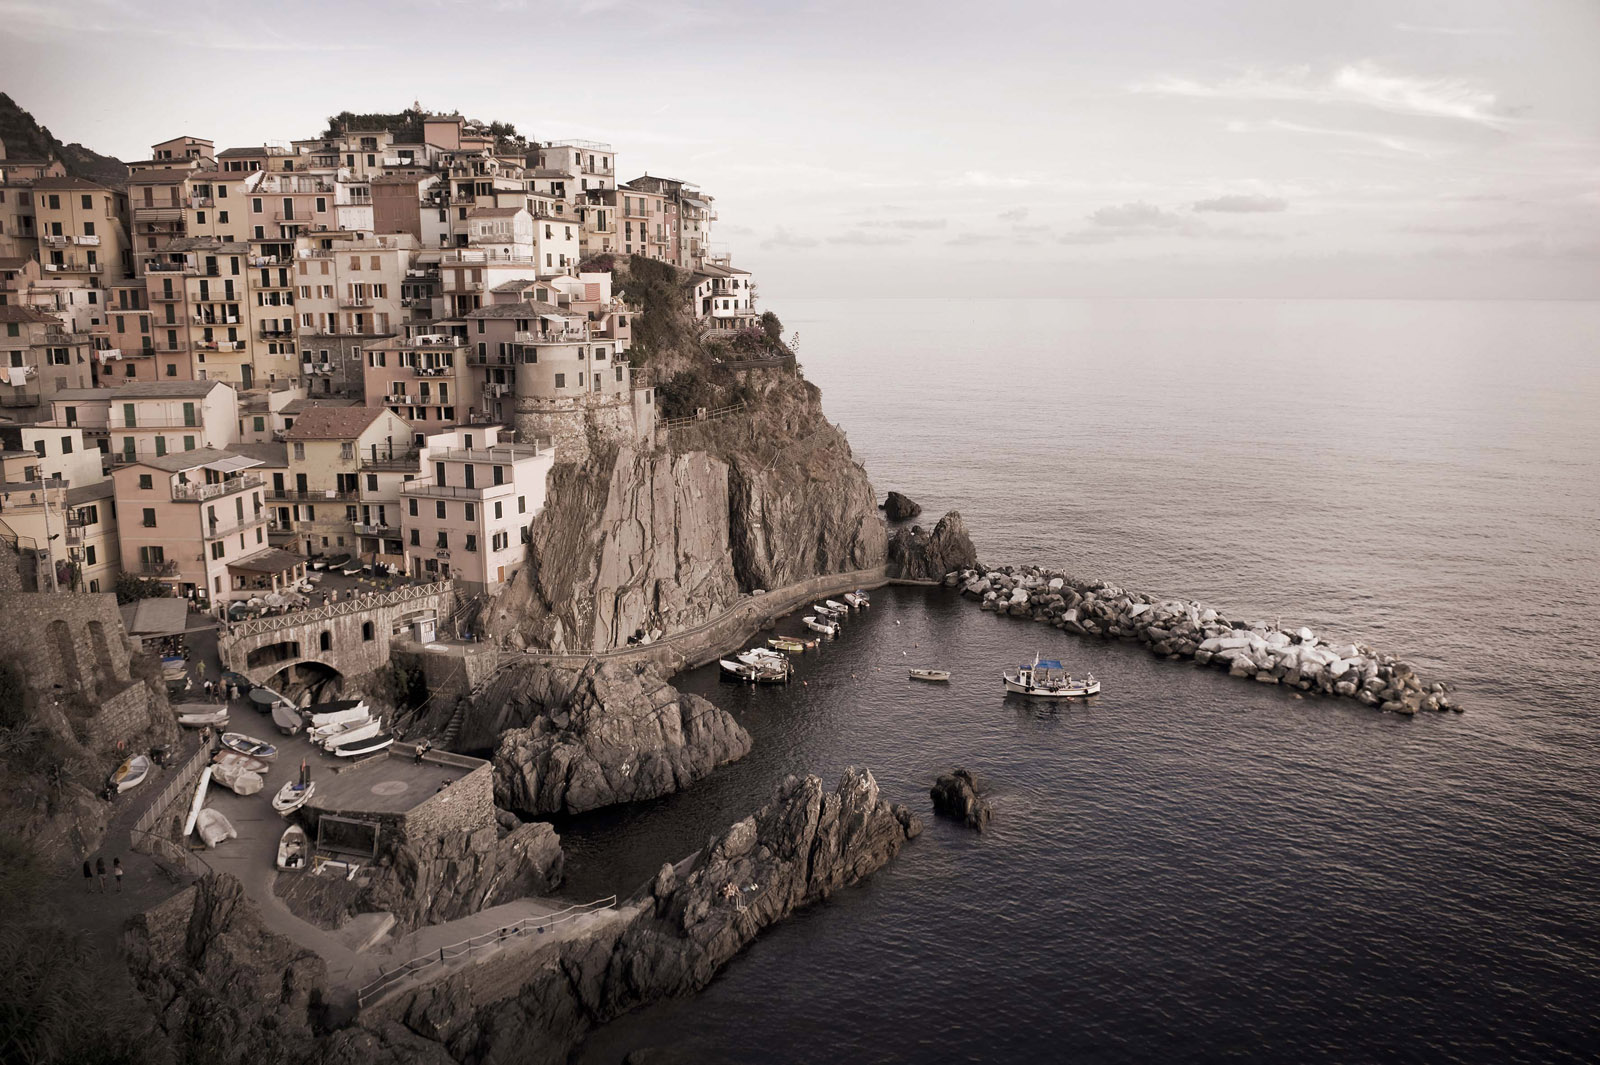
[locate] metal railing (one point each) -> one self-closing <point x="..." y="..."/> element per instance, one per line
<point x="484" y="941"/>
<point x="328" y="611"/>
<point x="703" y="416"/>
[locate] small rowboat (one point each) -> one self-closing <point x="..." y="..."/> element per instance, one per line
<point x="854" y="600"/>
<point x="827" y="628"/>
<point x="294" y="848"/>
<point x="755" y="674"/>
<point x="356" y="748"/>
<point x="131" y="773"/>
<point x="242" y="762"/>
<point x="930" y="674"/>
<point x="216" y="717"/>
<point x="790" y="644"/>
<point x="249" y="746"/>
<point x="287" y="718"/>
<point x="213" y="827"/>
<point x="836" y="606"/>
<point x="292" y="796"/>
<point x="863" y="596"/>
<point x="338" y="713"/>
<point x="829" y="612"/>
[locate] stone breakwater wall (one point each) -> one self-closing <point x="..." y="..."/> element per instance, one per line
<point x="1182" y="628"/>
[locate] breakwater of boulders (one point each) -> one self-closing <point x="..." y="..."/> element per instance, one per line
<point x="1182" y="628"/>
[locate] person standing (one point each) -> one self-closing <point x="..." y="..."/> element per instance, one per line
<point x="116" y="870"/>
<point x="100" y="868"/>
<point x="88" y="876"/>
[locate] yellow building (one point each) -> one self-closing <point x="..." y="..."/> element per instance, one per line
<point x="81" y="228"/>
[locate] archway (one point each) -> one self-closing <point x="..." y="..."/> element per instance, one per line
<point x="308" y="682"/>
<point x="272" y="652"/>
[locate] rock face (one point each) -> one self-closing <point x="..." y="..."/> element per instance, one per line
<point x="1180" y="628"/>
<point x="920" y="555"/>
<point x="618" y="735"/>
<point x="219" y="981"/>
<point x="443" y="878"/>
<point x="689" y="922"/>
<point x="958" y="794"/>
<point x="899" y="508"/>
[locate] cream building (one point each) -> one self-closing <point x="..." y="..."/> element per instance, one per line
<point x="82" y="229"/>
<point x="332" y="452"/>
<point x="153" y="419"/>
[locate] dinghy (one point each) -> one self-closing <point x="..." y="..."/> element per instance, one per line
<point x="827" y="628"/>
<point x="854" y="601"/>
<point x="292" y="796"/>
<point x="238" y="778"/>
<point x="828" y="612"/>
<point x="294" y="849"/>
<point x="836" y="606"/>
<point x="930" y="674"/>
<point x="239" y="761"/>
<point x="763" y="658"/>
<point x="216" y="717"/>
<point x="213" y="827"/>
<point x="249" y="746"/>
<point x="131" y="773"/>
<point x="863" y="596"/>
<point x="790" y="644"/>
<point x="346" y="733"/>
<point x="288" y="719"/>
<point x="356" y="748"/>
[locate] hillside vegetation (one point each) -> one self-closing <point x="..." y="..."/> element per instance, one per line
<point x="25" y="138"/>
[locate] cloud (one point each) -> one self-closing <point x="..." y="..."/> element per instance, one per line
<point x="1467" y="229"/>
<point x="1243" y="204"/>
<point x="905" y="223"/>
<point x="1089" y="236"/>
<point x="1394" y="144"/>
<point x="1356" y="85"/>
<point x="865" y="239"/>
<point x="785" y="239"/>
<point x="1139" y="215"/>
<point x="982" y="179"/>
<point x="963" y="240"/>
<point x="1453" y="31"/>
<point x="1016" y="214"/>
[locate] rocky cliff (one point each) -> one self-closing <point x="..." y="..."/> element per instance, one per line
<point x="575" y="740"/>
<point x="443" y="878"/>
<point x="918" y="554"/>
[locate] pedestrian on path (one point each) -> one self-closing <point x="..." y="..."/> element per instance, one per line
<point x="116" y="870"/>
<point x="209" y="686"/>
<point x="88" y="875"/>
<point x="100" y="868"/>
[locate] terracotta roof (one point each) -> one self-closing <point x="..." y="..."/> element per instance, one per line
<point x="271" y="453"/>
<point x="11" y="312"/>
<point x="179" y="461"/>
<point x="233" y="153"/>
<point x="515" y="286"/>
<point x="67" y="183"/>
<point x="333" y="423"/>
<point x="166" y="390"/>
<point x="300" y="406"/>
<point x="159" y="177"/>
<point x="494" y="212"/>
<point x="525" y="309"/>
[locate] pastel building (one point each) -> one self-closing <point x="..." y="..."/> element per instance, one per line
<point x="55" y="498"/>
<point x="157" y="418"/>
<point x="341" y="486"/>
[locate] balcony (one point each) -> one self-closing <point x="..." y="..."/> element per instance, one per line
<point x="216" y="319"/>
<point x="51" y="240"/>
<point x="216" y="530"/>
<point x="495" y="389"/>
<point x="166" y="568"/>
<point x="313" y="495"/>
<point x="391" y="460"/>
<point x="370" y="529"/>
<point x="167" y="268"/>
<point x="490" y="358"/>
<point x="62" y="336"/>
<point x="91" y="240"/>
<point x="276" y="331"/>
<point x="201" y="201"/>
<point x="196" y="492"/>
<point x="149" y="212"/>
<point x="172" y="347"/>
<point x="433" y="371"/>
<point x="451" y="491"/>
<point x="355" y="302"/>
<point x="20" y="398"/>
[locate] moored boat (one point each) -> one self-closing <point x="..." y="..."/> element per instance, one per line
<point x="216" y="717"/>
<point x="1045" y="678"/>
<point x="763" y="658"/>
<point x="791" y="644"/>
<point x="294" y="848"/>
<point x="816" y="624"/>
<point x="131" y="773"/>
<point x="836" y="606"/>
<point x="249" y="746"/>
<point x="863" y="596"/>
<point x="367" y="745"/>
<point x="292" y="796"/>
<point x="930" y="674"/>
<point x="854" y="601"/>
<point x="822" y="610"/>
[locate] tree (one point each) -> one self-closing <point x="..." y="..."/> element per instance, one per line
<point x="131" y="588"/>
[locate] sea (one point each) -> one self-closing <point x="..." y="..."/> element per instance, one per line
<point x="1191" y="868"/>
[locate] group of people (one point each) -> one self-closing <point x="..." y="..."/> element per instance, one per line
<point x="98" y="869"/>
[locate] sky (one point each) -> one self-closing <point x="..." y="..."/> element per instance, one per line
<point x="1147" y="148"/>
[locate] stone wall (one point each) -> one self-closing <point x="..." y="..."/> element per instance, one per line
<point x="574" y="423"/>
<point x="67" y="642"/>
<point x="465" y="806"/>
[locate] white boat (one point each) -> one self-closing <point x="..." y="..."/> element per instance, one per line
<point x="370" y="745"/>
<point x="338" y="713"/>
<point x="825" y="611"/>
<point x="287" y="718"/>
<point x="764" y="658"/>
<point x="249" y="746"/>
<point x="292" y="796"/>
<point x="755" y="674"/>
<point x="1046" y="679"/>
<point x="131" y="773"/>
<point x="240" y="761"/>
<point x="854" y="601"/>
<point x="930" y="674"/>
<point x="863" y="596"/>
<point x="836" y="606"/>
<point x="213" y="827"/>
<point x="238" y="778"/>
<point x="792" y="644"/>
<point x="216" y="717"/>
<point x="827" y="628"/>
<point x="330" y="736"/>
<point x="294" y="849"/>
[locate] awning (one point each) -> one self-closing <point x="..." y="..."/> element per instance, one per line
<point x="231" y="463"/>
<point x="272" y="560"/>
<point x="155" y="617"/>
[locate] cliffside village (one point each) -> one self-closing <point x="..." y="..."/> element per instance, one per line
<point x="346" y="351"/>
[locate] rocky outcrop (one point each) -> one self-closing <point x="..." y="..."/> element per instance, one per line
<point x="897" y="507"/>
<point x="680" y="930"/>
<point x="444" y="877"/>
<point x="618" y="734"/>
<point x="958" y="794"/>
<point x="917" y="554"/>
<point x="1181" y="628"/>
<point x="635" y="543"/>
<point x="220" y="982"/>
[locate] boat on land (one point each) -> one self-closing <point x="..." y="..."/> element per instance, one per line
<point x="1045" y="678"/>
<point x="332" y="736"/>
<point x="292" y="796"/>
<point x="930" y="674"/>
<point x="216" y="717"/>
<point x="836" y="606"/>
<point x="294" y="849"/>
<point x="249" y="746"/>
<point x="367" y="745"/>
<point x="339" y="713"/>
<point x="239" y="761"/>
<point x="288" y="719"/>
<point x="213" y="827"/>
<point x="237" y="778"/>
<point x="821" y="625"/>
<point x="131" y="773"/>
<point x="791" y="644"/>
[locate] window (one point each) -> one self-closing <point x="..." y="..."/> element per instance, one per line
<point x="218" y="549"/>
<point x="299" y="451"/>
<point x="146" y="481"/>
<point x="497" y="513"/>
<point x="350" y="515"/>
<point x="260" y="424"/>
<point x="188" y="443"/>
<point x="149" y="517"/>
<point x="88" y="555"/>
<point x="347" y="450"/>
<point x="561" y="380"/>
<point x="438" y="509"/>
<point x="416" y="539"/>
<point x="444" y="539"/>
<point x="472" y="542"/>
<point x="372" y="482"/>
<point x="222" y="217"/>
<point x="522" y="504"/>
<point x="368" y="632"/>
<point x="472" y="511"/>
<point x="87" y="200"/>
<point x="325" y="641"/>
<point x="412" y="503"/>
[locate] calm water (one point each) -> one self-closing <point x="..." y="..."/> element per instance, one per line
<point x="1192" y="868"/>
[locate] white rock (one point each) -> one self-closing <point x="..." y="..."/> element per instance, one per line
<point x="1056" y="584"/>
<point x="1307" y="636"/>
<point x="1277" y="639"/>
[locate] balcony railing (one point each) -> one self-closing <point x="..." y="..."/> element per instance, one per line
<point x="313" y="495"/>
<point x="167" y="568"/>
<point x="215" y="530"/>
<point x="490" y="358"/>
<point x="396" y="460"/>
<point x="354" y="301"/>
<point x="433" y="371"/>
<point x="371" y="529"/>
<point x="451" y="491"/>
<point x="20" y="398"/>
<point x="196" y="492"/>
<point x="276" y="331"/>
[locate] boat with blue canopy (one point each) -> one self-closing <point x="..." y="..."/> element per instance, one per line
<point x="1046" y="678"/>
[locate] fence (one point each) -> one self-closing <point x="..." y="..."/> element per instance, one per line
<point x="328" y="611"/>
<point x="142" y="835"/>
<point x="484" y="941"/>
<point x="704" y="416"/>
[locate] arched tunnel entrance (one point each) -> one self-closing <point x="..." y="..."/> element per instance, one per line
<point x="308" y="682"/>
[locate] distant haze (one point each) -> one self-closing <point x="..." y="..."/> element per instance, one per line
<point x="1247" y="148"/>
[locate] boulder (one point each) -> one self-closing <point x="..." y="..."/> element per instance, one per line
<point x="899" y="508"/>
<point x="958" y="794"/>
<point x="916" y="554"/>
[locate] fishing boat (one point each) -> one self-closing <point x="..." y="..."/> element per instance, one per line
<point x="369" y="745"/>
<point x="763" y="657"/>
<point x="294" y="848"/>
<point x="215" y="717"/>
<point x="288" y="719"/>
<point x="249" y="746"/>
<point x="292" y="796"/>
<point x="815" y="624"/>
<point x="755" y="674"/>
<point x="837" y="607"/>
<point x="131" y="773"/>
<point x="333" y="735"/>
<point x="930" y="674"/>
<point x="213" y="827"/>
<point x="792" y="645"/>
<point x="1046" y="679"/>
